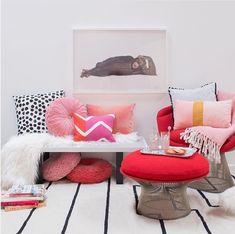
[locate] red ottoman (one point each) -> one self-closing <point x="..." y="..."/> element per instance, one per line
<point x="90" y="170"/>
<point x="163" y="182"/>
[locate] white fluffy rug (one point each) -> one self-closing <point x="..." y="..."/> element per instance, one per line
<point x="108" y="208"/>
<point x="20" y="157"/>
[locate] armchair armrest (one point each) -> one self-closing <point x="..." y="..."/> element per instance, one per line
<point x="164" y="119"/>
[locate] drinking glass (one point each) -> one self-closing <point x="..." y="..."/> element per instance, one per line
<point x="153" y="141"/>
<point x="164" y="142"/>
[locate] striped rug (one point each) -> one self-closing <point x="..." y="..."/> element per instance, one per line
<point x="108" y="208"/>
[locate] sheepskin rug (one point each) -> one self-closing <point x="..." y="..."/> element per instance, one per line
<point x="20" y="157"/>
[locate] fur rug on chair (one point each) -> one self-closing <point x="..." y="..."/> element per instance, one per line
<point x="20" y="157"/>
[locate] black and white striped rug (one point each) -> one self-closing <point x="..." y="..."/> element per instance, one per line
<point x="108" y="208"/>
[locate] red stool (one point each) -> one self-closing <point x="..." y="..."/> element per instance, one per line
<point x="163" y="182"/>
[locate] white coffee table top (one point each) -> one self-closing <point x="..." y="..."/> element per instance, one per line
<point x="98" y="146"/>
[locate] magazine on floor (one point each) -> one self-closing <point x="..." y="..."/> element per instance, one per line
<point x="23" y="197"/>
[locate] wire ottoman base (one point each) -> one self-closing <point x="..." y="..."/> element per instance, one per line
<point x="163" y="200"/>
<point x="218" y="180"/>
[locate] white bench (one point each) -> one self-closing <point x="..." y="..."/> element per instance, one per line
<point x="118" y="147"/>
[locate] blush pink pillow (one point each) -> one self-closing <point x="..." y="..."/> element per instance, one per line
<point x="93" y="128"/>
<point x="59" y="115"/>
<point x="124" y="116"/>
<point x="222" y="95"/>
<point x="202" y="113"/>
<point x="59" y="165"/>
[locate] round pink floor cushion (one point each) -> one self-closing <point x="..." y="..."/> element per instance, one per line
<point x="59" y="113"/>
<point x="59" y="165"/>
<point x="90" y="170"/>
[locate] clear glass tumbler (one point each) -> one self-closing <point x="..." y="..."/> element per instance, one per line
<point x="164" y="140"/>
<point x="153" y="141"/>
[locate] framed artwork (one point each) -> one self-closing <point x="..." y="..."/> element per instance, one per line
<point x="119" y="60"/>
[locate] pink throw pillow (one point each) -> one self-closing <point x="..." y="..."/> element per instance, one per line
<point x="222" y="95"/>
<point x="59" y="115"/>
<point x="59" y="165"/>
<point x="202" y="113"/>
<point x="124" y="116"/>
<point x="93" y="128"/>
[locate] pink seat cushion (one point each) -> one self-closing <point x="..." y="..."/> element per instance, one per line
<point x="90" y="170"/>
<point x="59" y="165"/>
<point x="164" y="169"/>
<point x="59" y="120"/>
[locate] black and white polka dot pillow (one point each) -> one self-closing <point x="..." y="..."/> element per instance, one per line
<point x="31" y="109"/>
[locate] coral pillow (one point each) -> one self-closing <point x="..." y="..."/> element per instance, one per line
<point x="59" y="165"/>
<point x="199" y="113"/>
<point x="59" y="120"/>
<point x="124" y="121"/>
<point x="93" y="128"/>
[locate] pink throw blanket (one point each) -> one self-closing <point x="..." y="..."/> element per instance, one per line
<point x="209" y="140"/>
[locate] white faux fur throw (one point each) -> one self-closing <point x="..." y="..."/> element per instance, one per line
<point x="20" y="156"/>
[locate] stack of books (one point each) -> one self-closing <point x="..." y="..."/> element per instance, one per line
<point x="20" y="197"/>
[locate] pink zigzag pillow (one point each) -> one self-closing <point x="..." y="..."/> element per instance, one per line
<point x="93" y="128"/>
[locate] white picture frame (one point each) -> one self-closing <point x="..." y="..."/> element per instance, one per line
<point x="95" y="49"/>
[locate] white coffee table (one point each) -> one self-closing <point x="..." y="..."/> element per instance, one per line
<point x="118" y="147"/>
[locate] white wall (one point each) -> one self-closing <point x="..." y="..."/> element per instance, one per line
<point x="37" y="44"/>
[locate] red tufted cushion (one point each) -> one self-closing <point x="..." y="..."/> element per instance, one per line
<point x="59" y="165"/>
<point x="164" y="169"/>
<point x="90" y="170"/>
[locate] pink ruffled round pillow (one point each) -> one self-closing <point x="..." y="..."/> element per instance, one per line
<point x="59" y="165"/>
<point x="90" y="170"/>
<point x="59" y="113"/>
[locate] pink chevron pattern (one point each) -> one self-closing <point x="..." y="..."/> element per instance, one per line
<point x="93" y="128"/>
